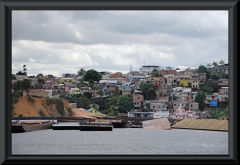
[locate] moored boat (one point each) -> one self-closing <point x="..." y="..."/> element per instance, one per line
<point x="32" y="126"/>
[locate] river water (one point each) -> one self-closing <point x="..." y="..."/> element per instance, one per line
<point x="120" y="141"/>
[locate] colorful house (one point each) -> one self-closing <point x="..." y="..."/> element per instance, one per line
<point x="63" y="80"/>
<point x="93" y="110"/>
<point x="126" y="89"/>
<point x="74" y="91"/>
<point x="184" y="82"/>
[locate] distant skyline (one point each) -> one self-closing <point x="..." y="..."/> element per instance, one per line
<point x="58" y="42"/>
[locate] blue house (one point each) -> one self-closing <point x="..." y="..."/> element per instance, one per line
<point x="126" y="89"/>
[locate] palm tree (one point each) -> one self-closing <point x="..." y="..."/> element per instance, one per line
<point x="221" y="62"/>
<point x="215" y="64"/>
<point x="24" y="69"/>
<point x="209" y="65"/>
<point x="81" y="72"/>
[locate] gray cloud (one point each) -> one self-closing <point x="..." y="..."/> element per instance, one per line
<point x="64" y="41"/>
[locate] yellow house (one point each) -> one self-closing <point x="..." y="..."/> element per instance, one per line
<point x="153" y="78"/>
<point x="62" y="80"/>
<point x="184" y="82"/>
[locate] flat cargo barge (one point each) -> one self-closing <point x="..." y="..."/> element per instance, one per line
<point x="95" y="127"/>
<point x="83" y="126"/>
<point x="28" y="127"/>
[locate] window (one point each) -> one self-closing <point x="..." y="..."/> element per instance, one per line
<point x="138" y="97"/>
<point x="153" y="106"/>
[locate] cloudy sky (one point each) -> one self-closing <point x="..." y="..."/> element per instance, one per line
<point x="57" y="42"/>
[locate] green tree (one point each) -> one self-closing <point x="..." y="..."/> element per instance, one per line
<point x="40" y="74"/>
<point x="189" y="84"/>
<point x="199" y="98"/>
<point x="222" y="75"/>
<point x="218" y="112"/>
<point x="209" y="65"/>
<point x="40" y="83"/>
<point x="206" y="89"/>
<point x="25" y="84"/>
<point x="177" y="69"/>
<point x="203" y="69"/>
<point x="71" y="98"/>
<point x="215" y="76"/>
<point x="92" y="75"/>
<point x="100" y="92"/>
<point x="221" y="62"/>
<point x="125" y="103"/>
<point x="31" y="76"/>
<point x="215" y="64"/>
<point x="25" y="69"/>
<point x="212" y="84"/>
<point x="84" y="102"/>
<point x="13" y="77"/>
<point x="50" y="76"/>
<point x="148" y="89"/>
<point x="81" y="72"/>
<point x="88" y="95"/>
<point x="155" y="73"/>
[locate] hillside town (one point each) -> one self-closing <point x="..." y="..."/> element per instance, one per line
<point x="152" y="91"/>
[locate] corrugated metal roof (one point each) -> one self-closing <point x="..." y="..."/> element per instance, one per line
<point x="205" y="124"/>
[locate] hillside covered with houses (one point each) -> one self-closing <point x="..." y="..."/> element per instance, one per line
<point x="152" y="91"/>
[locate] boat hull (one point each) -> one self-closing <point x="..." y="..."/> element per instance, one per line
<point x="96" y="127"/>
<point x="119" y="124"/>
<point x="30" y="127"/>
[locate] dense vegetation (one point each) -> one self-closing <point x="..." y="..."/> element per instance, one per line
<point x="215" y="113"/>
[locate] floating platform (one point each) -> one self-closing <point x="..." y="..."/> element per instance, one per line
<point x="28" y="127"/>
<point x="202" y="124"/>
<point x="66" y="126"/>
<point x="83" y="126"/>
<point x="95" y="127"/>
<point x="119" y="124"/>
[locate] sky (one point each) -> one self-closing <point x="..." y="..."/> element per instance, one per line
<point x="58" y="42"/>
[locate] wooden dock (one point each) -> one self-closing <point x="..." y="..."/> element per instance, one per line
<point x="202" y="124"/>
